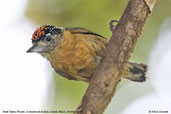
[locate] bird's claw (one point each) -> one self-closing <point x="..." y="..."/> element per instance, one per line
<point x="112" y="26"/>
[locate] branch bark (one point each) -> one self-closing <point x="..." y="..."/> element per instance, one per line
<point x="107" y="76"/>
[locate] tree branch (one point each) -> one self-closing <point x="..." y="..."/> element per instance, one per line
<point x="107" y="76"/>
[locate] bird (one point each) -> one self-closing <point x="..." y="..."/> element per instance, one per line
<point x="75" y="52"/>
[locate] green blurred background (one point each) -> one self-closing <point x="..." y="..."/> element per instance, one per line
<point x="94" y="15"/>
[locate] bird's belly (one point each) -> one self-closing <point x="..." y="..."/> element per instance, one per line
<point x="79" y="65"/>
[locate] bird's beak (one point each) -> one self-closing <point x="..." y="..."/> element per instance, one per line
<point x="37" y="48"/>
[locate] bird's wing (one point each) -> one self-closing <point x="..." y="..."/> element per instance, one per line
<point x="96" y="41"/>
<point x="80" y="30"/>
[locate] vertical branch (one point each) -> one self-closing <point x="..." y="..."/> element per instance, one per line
<point x="107" y="76"/>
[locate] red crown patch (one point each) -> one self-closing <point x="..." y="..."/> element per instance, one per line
<point x="39" y="32"/>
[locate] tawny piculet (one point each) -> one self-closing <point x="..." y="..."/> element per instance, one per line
<point x="75" y="52"/>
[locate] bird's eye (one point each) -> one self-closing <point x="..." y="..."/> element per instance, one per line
<point x="48" y="38"/>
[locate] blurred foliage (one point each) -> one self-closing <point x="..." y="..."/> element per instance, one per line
<point x="95" y="16"/>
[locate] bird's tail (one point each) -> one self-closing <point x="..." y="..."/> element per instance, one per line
<point x="135" y="72"/>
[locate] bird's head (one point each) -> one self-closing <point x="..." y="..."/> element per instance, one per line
<point x="45" y="39"/>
